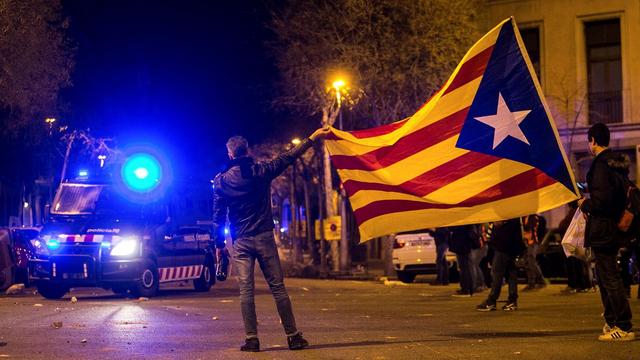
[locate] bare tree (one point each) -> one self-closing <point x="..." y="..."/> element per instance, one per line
<point x="396" y="52"/>
<point x="36" y="59"/>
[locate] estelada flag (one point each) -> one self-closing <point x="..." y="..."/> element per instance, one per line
<point x="483" y="148"/>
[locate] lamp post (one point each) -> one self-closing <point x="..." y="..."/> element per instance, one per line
<point x="344" y="263"/>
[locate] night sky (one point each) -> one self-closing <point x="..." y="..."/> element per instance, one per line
<point x="182" y="75"/>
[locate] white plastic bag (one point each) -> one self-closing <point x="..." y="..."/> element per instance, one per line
<point x="573" y="240"/>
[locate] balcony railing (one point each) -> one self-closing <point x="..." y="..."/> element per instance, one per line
<point x="605" y="107"/>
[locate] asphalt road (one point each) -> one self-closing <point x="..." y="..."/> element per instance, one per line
<point x="341" y="319"/>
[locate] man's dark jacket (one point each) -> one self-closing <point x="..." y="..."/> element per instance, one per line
<point x="464" y="238"/>
<point x="605" y="182"/>
<point x="506" y="237"/>
<point x="244" y="188"/>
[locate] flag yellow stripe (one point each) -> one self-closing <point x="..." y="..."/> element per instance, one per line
<point x="449" y="104"/>
<point x="477" y="181"/>
<point x="453" y="193"/>
<point x="537" y="201"/>
<point x="409" y="168"/>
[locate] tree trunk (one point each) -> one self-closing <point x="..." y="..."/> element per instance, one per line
<point x="66" y="156"/>
<point x="328" y="118"/>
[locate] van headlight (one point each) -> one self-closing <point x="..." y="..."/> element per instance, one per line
<point x="125" y="247"/>
<point x="39" y="245"/>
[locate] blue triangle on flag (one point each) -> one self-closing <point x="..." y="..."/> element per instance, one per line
<point x="507" y="75"/>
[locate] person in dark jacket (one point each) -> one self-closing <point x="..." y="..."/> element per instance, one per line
<point x="242" y="193"/>
<point x="463" y="239"/>
<point x="507" y="243"/>
<point x="604" y="208"/>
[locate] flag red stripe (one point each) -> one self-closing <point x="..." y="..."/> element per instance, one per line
<point x="528" y="181"/>
<point x="88" y="238"/>
<point x="431" y="180"/>
<point x="408" y="145"/>
<point x="471" y="69"/>
<point x="367" y="133"/>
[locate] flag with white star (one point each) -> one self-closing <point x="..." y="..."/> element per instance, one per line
<point x="483" y="148"/>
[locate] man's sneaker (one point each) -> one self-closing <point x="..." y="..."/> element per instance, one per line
<point x="617" y="334"/>
<point x="297" y="342"/>
<point x="485" y="306"/>
<point x="606" y="328"/>
<point x="529" y="288"/>
<point x="251" y="345"/>
<point x="512" y="306"/>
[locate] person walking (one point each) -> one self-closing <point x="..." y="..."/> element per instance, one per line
<point x="507" y="244"/>
<point x="604" y="207"/>
<point x="478" y="253"/>
<point x="242" y="193"/>
<point x="441" y="236"/>
<point x="531" y="225"/>
<point x="461" y="243"/>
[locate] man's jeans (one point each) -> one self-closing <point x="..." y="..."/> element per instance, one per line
<point x="614" y="299"/>
<point x="476" y="273"/>
<point x="442" y="267"/>
<point x="503" y="265"/>
<point x="465" y="272"/>
<point x="534" y="274"/>
<point x="262" y="248"/>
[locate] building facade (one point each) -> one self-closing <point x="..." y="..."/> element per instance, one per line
<point x="586" y="54"/>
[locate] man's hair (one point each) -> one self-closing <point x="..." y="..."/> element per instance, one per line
<point x="237" y="146"/>
<point x="600" y="133"/>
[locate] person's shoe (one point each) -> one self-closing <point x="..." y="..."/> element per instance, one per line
<point x="297" y="342"/>
<point x="541" y="286"/>
<point x="461" y="294"/>
<point x="512" y="306"/>
<point x="606" y="328"/>
<point x="251" y="345"/>
<point x="617" y="334"/>
<point x="485" y="306"/>
<point x="529" y="288"/>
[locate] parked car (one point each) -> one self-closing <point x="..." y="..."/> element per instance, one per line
<point x="415" y="254"/>
<point x="15" y="250"/>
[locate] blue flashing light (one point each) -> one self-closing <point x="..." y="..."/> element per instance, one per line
<point x="142" y="172"/>
<point x="83" y="173"/>
<point x="53" y="244"/>
<point x="226" y="231"/>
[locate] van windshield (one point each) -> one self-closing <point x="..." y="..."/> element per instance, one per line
<point x="92" y="199"/>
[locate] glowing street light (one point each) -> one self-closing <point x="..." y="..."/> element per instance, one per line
<point x="296" y="141"/>
<point x="102" y="158"/>
<point x="338" y="85"/>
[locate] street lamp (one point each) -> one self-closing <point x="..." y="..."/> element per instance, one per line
<point x="296" y="141"/>
<point x="338" y="85"/>
<point x="102" y="158"/>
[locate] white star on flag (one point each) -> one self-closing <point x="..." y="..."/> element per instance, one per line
<point x="505" y="123"/>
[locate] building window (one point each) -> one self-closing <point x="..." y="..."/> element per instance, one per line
<point x="531" y="40"/>
<point x="604" y="70"/>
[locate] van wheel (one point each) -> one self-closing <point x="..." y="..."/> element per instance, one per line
<point x="149" y="281"/>
<point x="206" y="279"/>
<point x="50" y="291"/>
<point x="406" y="277"/>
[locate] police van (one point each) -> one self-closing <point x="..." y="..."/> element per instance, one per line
<point x="129" y="236"/>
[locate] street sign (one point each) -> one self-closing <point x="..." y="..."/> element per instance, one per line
<point x="332" y="228"/>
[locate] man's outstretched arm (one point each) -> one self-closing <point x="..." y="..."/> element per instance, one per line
<point x="273" y="168"/>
